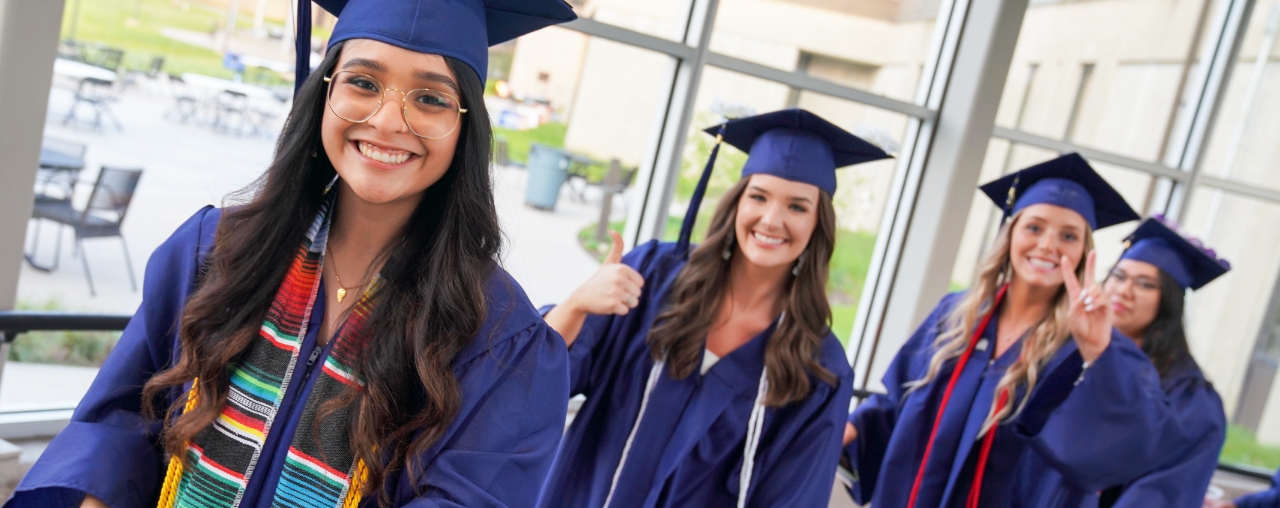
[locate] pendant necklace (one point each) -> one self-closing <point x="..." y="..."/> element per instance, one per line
<point x="342" y="291"/>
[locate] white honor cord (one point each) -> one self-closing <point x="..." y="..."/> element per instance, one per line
<point x="755" y="427"/>
<point x="654" y="374"/>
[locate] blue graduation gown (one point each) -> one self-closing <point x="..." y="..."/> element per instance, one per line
<point x="1074" y="425"/>
<point x="689" y="446"/>
<point x="1269" y="498"/>
<point x="513" y="378"/>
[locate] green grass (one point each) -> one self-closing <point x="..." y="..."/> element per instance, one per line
<point x="63" y="348"/>
<point x="1243" y="448"/>
<point x="518" y="141"/>
<point x="113" y="23"/>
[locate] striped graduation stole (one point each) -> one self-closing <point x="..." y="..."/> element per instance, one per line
<point x="320" y="469"/>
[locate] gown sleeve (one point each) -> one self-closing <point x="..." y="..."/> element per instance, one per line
<point x="1183" y="481"/>
<point x="1080" y="420"/>
<point x="503" y="440"/>
<point x="109" y="450"/>
<point x="876" y="417"/>
<point x="802" y="472"/>
<point x="1269" y="498"/>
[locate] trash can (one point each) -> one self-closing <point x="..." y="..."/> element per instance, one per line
<point x="548" y="167"/>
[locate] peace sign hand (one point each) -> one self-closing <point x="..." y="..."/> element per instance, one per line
<point x="1090" y="317"/>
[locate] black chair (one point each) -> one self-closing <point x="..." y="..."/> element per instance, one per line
<point x="59" y="183"/>
<point x="101" y="218"/>
<point x="229" y="105"/>
<point x="185" y="104"/>
<point x="98" y="94"/>
<point x="615" y="182"/>
<point x="108" y="58"/>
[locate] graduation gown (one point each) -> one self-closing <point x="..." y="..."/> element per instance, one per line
<point x="1269" y="498"/>
<point x="1075" y="424"/>
<point x="688" y="449"/>
<point x="513" y="378"/>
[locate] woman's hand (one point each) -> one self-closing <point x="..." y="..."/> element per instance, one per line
<point x="850" y="433"/>
<point x="1090" y="316"/>
<point x="613" y="289"/>
<point x="92" y="502"/>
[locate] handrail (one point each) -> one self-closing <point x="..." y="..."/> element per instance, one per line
<point x="1255" y="472"/>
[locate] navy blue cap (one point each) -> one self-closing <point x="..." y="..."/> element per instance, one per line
<point x="462" y="29"/>
<point x="1067" y="181"/>
<point x="793" y="144"/>
<point x="1186" y="260"/>
<point x="797" y="145"/>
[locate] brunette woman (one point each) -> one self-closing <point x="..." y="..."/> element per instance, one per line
<point x="712" y="377"/>
<point x="1147" y="290"/>
<point x="1022" y="373"/>
<point x="344" y="335"/>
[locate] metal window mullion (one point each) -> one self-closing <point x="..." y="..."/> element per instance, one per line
<point x="632" y="38"/>
<point x="1244" y="189"/>
<point x="1026" y="138"/>
<point x="1229" y="37"/>
<point x="659" y="184"/>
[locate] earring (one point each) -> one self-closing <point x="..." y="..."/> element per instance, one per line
<point x="313" y="154"/>
<point x="799" y="262"/>
<point x="728" y="246"/>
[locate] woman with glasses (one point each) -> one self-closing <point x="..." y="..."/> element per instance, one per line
<point x="344" y="334"/>
<point x="1022" y="372"/>
<point x="1146" y="290"/>
<point x="712" y="378"/>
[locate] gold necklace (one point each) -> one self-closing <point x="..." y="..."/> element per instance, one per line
<point x="342" y="291"/>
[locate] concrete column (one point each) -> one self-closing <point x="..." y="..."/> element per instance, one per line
<point x="28" y="44"/>
<point x="949" y="177"/>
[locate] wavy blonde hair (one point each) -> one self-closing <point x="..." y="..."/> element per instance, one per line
<point x="1041" y="343"/>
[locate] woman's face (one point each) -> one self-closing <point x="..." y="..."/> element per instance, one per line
<point x="381" y="160"/>
<point x="1042" y="235"/>
<point x="1133" y="289"/>
<point x="775" y="219"/>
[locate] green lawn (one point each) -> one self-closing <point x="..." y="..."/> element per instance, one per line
<point x="1243" y="448"/>
<point x="518" y="141"/>
<point x="113" y="23"/>
<point x="62" y="348"/>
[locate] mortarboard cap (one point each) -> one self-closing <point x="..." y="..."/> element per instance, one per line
<point x="1067" y="181"/>
<point x="1186" y="260"/>
<point x="793" y="144"/>
<point x="462" y="29"/>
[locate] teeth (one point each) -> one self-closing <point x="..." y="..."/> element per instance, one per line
<point x="1043" y="264"/>
<point x="767" y="240"/>
<point x="377" y="155"/>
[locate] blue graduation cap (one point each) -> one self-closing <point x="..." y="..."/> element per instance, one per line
<point x="1186" y="260"/>
<point x="1067" y="181"/>
<point x="793" y="144"/>
<point x="462" y="29"/>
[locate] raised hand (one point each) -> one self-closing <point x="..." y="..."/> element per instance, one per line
<point x="1090" y="316"/>
<point x="614" y="289"/>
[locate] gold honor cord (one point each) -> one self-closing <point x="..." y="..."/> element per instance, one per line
<point x="173" y="475"/>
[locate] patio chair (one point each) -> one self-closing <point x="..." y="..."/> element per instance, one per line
<point x="98" y="94"/>
<point x="58" y="183"/>
<point x="615" y="182"/>
<point x="230" y="105"/>
<point x="101" y="217"/>
<point x="185" y="104"/>
<point x="108" y="58"/>
<point x="502" y="149"/>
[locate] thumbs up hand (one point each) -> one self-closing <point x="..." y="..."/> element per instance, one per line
<point x="614" y="289"/>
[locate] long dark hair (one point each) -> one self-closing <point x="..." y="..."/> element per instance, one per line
<point x="1165" y="340"/>
<point x="793" y="350"/>
<point x="430" y="306"/>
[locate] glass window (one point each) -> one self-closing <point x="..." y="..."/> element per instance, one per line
<point x="1104" y="74"/>
<point x="861" y="190"/>
<point x="1243" y="146"/>
<point x="661" y="18"/>
<point x="1226" y="319"/>
<point x="875" y="45"/>
<point x="594" y="107"/>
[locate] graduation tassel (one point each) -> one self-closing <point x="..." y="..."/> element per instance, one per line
<point x="302" y="45"/>
<point x="1013" y="197"/>
<point x="691" y="216"/>
<point x="173" y="475"/>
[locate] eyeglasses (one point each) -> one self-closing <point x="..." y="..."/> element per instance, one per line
<point x="356" y="97"/>
<point x="1143" y="283"/>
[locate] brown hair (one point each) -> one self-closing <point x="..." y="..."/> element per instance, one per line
<point x="430" y="305"/>
<point x="792" y="352"/>
<point x="1042" y="342"/>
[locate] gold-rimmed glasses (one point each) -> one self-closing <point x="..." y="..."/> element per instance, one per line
<point x="356" y="97"/>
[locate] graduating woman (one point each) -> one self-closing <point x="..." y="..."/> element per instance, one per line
<point x="1023" y="372"/>
<point x="1146" y="289"/>
<point x="712" y="377"/>
<point x="346" y="336"/>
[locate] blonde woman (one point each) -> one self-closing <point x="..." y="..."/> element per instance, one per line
<point x="1019" y="375"/>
